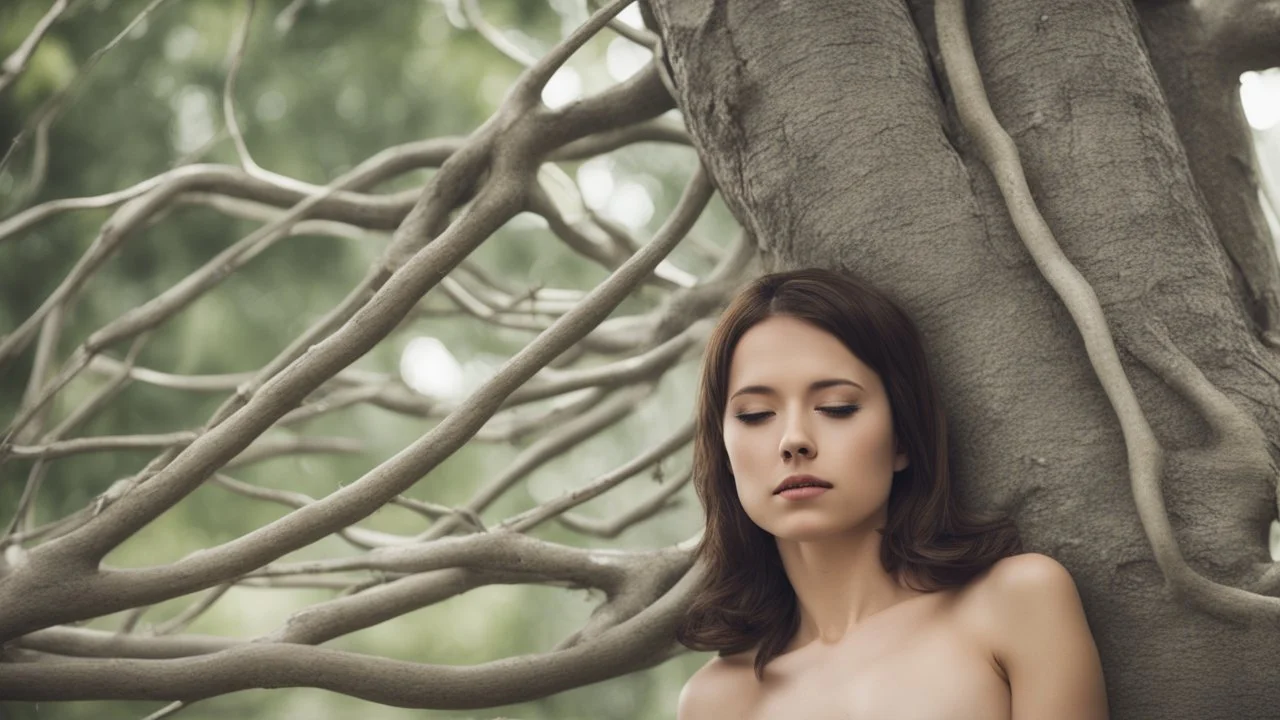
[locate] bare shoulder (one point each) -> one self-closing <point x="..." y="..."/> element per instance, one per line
<point x="1028" y="611"/>
<point x="718" y="682"/>
<point x="998" y="602"/>
<point x="1027" y="577"/>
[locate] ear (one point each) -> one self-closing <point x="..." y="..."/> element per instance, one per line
<point x="900" y="461"/>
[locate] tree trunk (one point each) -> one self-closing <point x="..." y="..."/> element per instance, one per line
<point x="832" y="135"/>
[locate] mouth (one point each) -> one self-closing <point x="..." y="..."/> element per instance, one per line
<point x="793" y="485"/>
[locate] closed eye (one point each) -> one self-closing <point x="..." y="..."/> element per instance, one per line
<point x="834" y="411"/>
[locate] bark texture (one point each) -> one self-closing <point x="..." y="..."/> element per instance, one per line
<point x="830" y="134"/>
<point x="1200" y="78"/>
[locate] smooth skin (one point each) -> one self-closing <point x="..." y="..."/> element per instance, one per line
<point x="1012" y="644"/>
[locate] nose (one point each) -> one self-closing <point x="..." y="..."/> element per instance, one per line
<point x="790" y="451"/>
<point x="796" y="442"/>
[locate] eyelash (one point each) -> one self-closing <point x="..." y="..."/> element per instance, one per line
<point x="840" y="411"/>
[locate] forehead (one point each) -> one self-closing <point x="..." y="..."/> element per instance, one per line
<point x="788" y="353"/>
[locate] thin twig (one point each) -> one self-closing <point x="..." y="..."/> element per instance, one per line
<point x="235" y="57"/>
<point x="613" y="527"/>
<point x="16" y="63"/>
<point x="471" y="10"/>
<point x="530" y="519"/>
<point x="52" y="108"/>
<point x="167" y="711"/>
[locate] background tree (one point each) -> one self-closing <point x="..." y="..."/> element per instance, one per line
<point x="1130" y="202"/>
<point x="1114" y="319"/>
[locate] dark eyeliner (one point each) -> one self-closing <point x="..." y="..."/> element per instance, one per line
<point x="834" y="410"/>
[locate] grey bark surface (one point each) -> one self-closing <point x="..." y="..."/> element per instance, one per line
<point x="830" y="135"/>
<point x="1201" y="82"/>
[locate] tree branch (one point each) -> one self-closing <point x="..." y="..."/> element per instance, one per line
<point x="530" y="519"/>
<point x="641" y="96"/>
<point x="24" y="515"/>
<point x="49" y="112"/>
<point x="373" y="212"/>
<point x="19" y="595"/>
<point x="613" y="527"/>
<point x="641" y="641"/>
<point x="86" y="642"/>
<point x="526" y="93"/>
<point x="472" y="12"/>
<point x="636" y="643"/>
<point x="13" y="66"/>
<point x="358" y="537"/>
<point x="501" y="550"/>
<point x="644" y="367"/>
<point x="570" y="434"/>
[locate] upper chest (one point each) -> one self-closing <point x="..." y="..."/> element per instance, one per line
<point x="923" y="665"/>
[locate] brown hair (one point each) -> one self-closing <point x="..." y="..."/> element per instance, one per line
<point x="745" y="599"/>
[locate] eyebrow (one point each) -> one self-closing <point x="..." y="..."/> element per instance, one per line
<point x="814" y="386"/>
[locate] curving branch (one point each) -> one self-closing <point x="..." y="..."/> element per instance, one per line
<point x="499" y="550"/>
<point x="640" y="368"/>
<point x="360" y="538"/>
<point x="527" y="312"/>
<point x="638" y="586"/>
<point x="590" y="235"/>
<point x="14" y="65"/>
<point x="556" y="507"/>
<point x="23" y="517"/>
<point x="587" y="368"/>
<point x="1145" y="455"/>
<point x="639" y="36"/>
<point x="49" y="112"/>
<point x="235" y="56"/>
<point x="119" y="520"/>
<point x="615" y="408"/>
<point x="87" y="642"/>
<point x="372" y="212"/>
<point x="180" y="621"/>
<point x="351" y="387"/>
<point x="640" y="641"/>
<point x="643" y="94"/>
<point x="495" y="37"/>
<point x="659" y="501"/>
<point x="657" y="130"/>
<point x="64" y="448"/>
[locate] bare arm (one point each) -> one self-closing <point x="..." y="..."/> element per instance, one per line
<point x="1043" y="641"/>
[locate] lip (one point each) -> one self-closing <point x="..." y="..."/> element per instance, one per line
<point x="802" y="493"/>
<point x="793" y="479"/>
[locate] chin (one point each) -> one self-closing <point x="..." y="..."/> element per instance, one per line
<point x="807" y="530"/>
<point x="808" y="527"/>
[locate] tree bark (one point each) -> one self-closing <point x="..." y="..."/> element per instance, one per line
<point x="830" y="134"/>
<point x="1200" y="76"/>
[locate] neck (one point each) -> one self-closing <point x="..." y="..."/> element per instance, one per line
<point x="839" y="582"/>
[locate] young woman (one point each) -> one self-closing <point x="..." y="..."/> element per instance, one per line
<point x="844" y="579"/>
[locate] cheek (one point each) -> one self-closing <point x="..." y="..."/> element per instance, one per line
<point x="746" y="455"/>
<point x="872" y="443"/>
<point x="751" y="502"/>
<point x="734" y="445"/>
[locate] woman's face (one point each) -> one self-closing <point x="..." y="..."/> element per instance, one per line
<point x="783" y="418"/>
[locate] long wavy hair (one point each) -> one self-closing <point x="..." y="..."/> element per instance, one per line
<point x="745" y="600"/>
